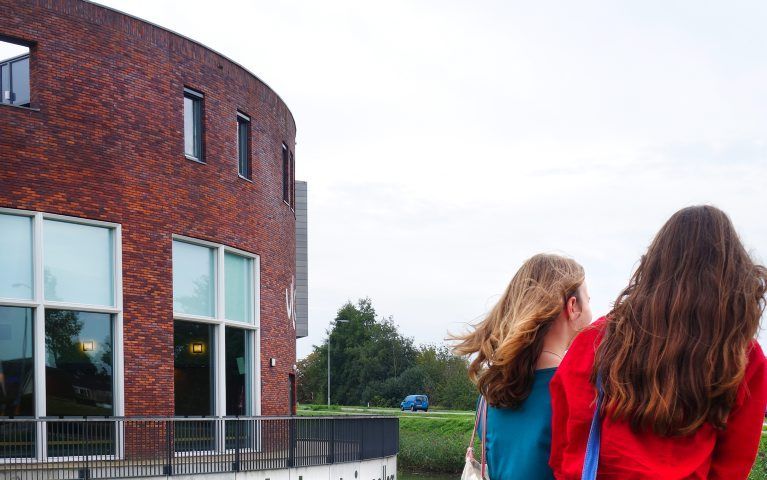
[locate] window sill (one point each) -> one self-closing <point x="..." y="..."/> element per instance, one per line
<point x="245" y="178"/>
<point x="29" y="109"/>
<point x="194" y="159"/>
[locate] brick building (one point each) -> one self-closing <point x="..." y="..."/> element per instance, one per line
<point x="147" y="223"/>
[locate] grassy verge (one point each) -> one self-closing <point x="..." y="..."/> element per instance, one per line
<point x="433" y="445"/>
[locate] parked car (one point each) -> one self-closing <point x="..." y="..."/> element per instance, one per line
<point x="415" y="402"/>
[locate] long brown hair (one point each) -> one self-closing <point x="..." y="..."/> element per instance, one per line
<point x="508" y="342"/>
<point x="676" y="343"/>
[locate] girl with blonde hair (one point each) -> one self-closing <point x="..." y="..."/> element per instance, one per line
<point x="515" y="351"/>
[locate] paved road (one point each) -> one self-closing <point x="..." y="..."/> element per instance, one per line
<point x="393" y="411"/>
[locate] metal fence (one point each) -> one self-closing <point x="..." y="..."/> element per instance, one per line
<point x="89" y="448"/>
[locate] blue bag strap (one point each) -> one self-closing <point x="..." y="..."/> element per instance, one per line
<point x="591" y="460"/>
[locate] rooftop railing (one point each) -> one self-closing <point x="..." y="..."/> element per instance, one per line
<point x="92" y="447"/>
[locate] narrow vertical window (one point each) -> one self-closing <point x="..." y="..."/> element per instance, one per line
<point x="193" y="125"/>
<point x="292" y="181"/>
<point x="285" y="174"/>
<point x="243" y="144"/>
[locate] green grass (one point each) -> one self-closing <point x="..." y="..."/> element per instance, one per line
<point x="433" y="444"/>
<point x="759" y="472"/>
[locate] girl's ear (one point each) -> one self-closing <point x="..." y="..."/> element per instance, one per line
<point x="573" y="311"/>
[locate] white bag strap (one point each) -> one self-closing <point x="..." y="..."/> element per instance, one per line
<point x="481" y="413"/>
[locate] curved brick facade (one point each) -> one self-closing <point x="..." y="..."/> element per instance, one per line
<point x="104" y="141"/>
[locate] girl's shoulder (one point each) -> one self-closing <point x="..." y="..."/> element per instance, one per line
<point x="580" y="355"/>
<point x="588" y="339"/>
<point x="756" y="360"/>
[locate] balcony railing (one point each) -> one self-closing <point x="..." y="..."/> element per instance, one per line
<point x="89" y="448"/>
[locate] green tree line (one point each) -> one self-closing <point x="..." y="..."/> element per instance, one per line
<point x="373" y="363"/>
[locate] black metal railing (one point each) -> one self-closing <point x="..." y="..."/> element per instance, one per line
<point x="90" y="448"/>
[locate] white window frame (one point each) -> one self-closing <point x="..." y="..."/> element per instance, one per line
<point x="39" y="305"/>
<point x="220" y="323"/>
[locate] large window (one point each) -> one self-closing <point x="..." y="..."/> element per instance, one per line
<point x="60" y="306"/>
<point x="215" y="303"/>
<point x="243" y="145"/>
<point x="193" y="125"/>
<point x="14" y="74"/>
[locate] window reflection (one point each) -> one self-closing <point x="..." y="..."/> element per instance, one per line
<point x="16" y="368"/>
<point x="193" y="372"/>
<point x="193" y="277"/>
<point x="15" y="256"/>
<point x="78" y="263"/>
<point x="238" y="372"/>
<point x="238" y="287"/>
<point x="78" y="360"/>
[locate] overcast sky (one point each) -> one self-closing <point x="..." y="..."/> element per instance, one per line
<point x="445" y="142"/>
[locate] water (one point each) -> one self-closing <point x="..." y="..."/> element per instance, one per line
<point x="427" y="476"/>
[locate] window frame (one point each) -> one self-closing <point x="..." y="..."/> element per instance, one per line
<point x="220" y="323"/>
<point x="38" y="304"/>
<point x="198" y="115"/>
<point x="244" y="120"/>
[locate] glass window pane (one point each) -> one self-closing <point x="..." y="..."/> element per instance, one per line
<point x="16" y="368"/>
<point x="238" y="287"/>
<point x="16" y="257"/>
<point x="193" y="368"/>
<point x="285" y="173"/>
<point x="193" y="279"/>
<point x="5" y="82"/>
<point x="238" y="371"/>
<point x="242" y="147"/>
<point x="78" y="381"/>
<point x="198" y="128"/>
<point x="20" y="81"/>
<point x="189" y="143"/>
<point x="78" y="263"/>
<point x="78" y="361"/>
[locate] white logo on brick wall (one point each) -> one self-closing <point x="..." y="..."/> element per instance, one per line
<point x="290" y="301"/>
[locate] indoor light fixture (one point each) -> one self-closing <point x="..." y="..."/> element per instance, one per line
<point x="197" y="347"/>
<point x="88" y="346"/>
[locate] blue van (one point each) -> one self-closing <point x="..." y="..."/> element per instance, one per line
<point x="415" y="402"/>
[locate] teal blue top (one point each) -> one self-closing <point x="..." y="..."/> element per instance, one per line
<point x="519" y="440"/>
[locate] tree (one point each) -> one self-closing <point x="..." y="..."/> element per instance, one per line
<point x="372" y="362"/>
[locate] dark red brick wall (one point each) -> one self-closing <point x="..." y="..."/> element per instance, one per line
<point x="106" y="142"/>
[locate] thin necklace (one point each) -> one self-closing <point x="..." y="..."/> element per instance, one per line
<point x="556" y="355"/>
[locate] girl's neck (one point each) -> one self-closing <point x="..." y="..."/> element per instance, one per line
<point x="555" y="344"/>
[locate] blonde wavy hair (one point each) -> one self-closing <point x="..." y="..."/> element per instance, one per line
<point x="506" y="345"/>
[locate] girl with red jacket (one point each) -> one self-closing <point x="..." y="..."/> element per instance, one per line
<point x="683" y="378"/>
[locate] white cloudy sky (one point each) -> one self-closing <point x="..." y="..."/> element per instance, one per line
<point x="444" y="142"/>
